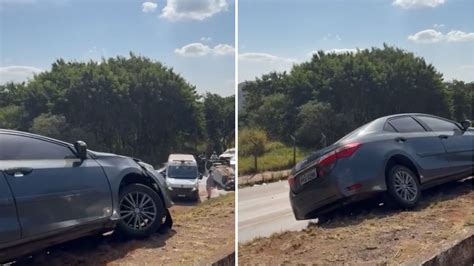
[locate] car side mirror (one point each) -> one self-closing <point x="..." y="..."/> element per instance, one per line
<point x="163" y="173"/>
<point x="465" y="125"/>
<point x="81" y="149"/>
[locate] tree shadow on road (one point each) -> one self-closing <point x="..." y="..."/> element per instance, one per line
<point x="376" y="208"/>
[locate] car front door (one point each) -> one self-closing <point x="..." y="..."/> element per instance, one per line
<point x="423" y="146"/>
<point x="9" y="226"/>
<point x="53" y="189"/>
<point x="459" y="145"/>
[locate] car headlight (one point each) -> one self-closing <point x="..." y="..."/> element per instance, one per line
<point x="168" y="185"/>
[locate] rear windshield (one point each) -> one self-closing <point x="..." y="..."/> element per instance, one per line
<point x="182" y="171"/>
<point x="366" y="129"/>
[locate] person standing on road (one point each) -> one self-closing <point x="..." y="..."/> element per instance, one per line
<point x="214" y="156"/>
<point x="210" y="184"/>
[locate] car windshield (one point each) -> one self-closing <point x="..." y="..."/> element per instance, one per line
<point x="182" y="171"/>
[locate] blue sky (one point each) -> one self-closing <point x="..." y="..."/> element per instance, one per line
<point x="273" y="35"/>
<point x="195" y="38"/>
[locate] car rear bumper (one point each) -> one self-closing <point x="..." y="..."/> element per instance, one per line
<point x="324" y="194"/>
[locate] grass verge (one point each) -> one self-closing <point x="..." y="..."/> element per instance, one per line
<point x="277" y="157"/>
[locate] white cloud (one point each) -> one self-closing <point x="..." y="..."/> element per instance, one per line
<point x="409" y="4"/>
<point x="252" y="65"/>
<point x="149" y="7"/>
<point x="459" y="36"/>
<point x="224" y="49"/>
<point x="17" y="73"/>
<point x="427" y="36"/>
<point x="193" y="50"/>
<point x="433" y="36"/>
<point x="199" y="49"/>
<point x="206" y="39"/>
<point x="263" y="57"/>
<point x="192" y="9"/>
<point x="437" y="26"/>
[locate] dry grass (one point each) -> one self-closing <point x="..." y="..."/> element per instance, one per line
<point x="373" y="235"/>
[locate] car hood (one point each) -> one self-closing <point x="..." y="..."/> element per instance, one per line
<point x="99" y="155"/>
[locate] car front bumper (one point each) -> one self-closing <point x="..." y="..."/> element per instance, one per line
<point x="183" y="192"/>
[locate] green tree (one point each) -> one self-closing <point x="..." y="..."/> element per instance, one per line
<point x="252" y="141"/>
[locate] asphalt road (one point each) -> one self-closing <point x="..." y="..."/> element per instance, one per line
<point x="264" y="210"/>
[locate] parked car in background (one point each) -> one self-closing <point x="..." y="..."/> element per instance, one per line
<point x="398" y="154"/>
<point x="182" y="176"/>
<point x="227" y="155"/>
<point x="52" y="192"/>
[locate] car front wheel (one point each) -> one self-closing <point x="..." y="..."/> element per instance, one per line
<point x="403" y="187"/>
<point x="141" y="210"/>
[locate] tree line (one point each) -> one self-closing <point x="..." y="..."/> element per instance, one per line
<point x="321" y="100"/>
<point x="127" y="105"/>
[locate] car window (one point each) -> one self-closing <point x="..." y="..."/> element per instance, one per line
<point x="13" y="147"/>
<point x="406" y="124"/>
<point x="388" y="128"/>
<point x="437" y="124"/>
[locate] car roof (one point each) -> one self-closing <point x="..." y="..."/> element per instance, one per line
<point x="31" y="135"/>
<point x="181" y="157"/>
<point x="411" y="114"/>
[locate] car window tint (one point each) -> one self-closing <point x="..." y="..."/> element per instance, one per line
<point x="14" y="147"/>
<point x="389" y="128"/>
<point x="438" y="124"/>
<point x="406" y="124"/>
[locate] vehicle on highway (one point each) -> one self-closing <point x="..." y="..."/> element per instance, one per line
<point x="182" y="176"/>
<point x="399" y="154"/>
<point x="52" y="191"/>
<point x="227" y="155"/>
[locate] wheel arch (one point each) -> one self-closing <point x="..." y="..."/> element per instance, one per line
<point x="400" y="159"/>
<point x="141" y="178"/>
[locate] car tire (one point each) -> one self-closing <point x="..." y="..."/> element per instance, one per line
<point x="403" y="187"/>
<point x="142" y="211"/>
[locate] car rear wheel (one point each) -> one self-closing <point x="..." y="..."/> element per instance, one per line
<point x="403" y="187"/>
<point x="141" y="210"/>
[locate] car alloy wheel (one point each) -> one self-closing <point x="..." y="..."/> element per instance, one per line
<point x="138" y="210"/>
<point x="405" y="185"/>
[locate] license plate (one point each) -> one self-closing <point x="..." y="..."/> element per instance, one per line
<point x="308" y="176"/>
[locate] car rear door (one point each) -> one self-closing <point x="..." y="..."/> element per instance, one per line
<point x="53" y="189"/>
<point x="459" y="145"/>
<point x="9" y="225"/>
<point x="424" y="147"/>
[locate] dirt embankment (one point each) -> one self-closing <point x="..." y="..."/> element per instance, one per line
<point x="200" y="235"/>
<point x="374" y="235"/>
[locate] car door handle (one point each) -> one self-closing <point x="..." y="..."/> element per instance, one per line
<point x="443" y="136"/>
<point x="400" y="139"/>
<point x="19" y="171"/>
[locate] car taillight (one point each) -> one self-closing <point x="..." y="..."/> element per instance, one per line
<point x="326" y="162"/>
<point x="291" y="180"/>
<point x="347" y="150"/>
